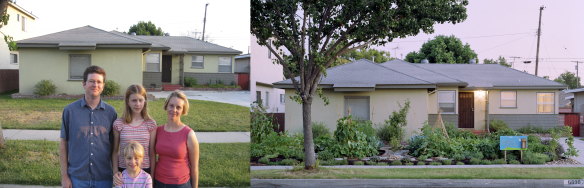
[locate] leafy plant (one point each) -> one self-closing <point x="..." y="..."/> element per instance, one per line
<point x="499" y="161"/>
<point x="44" y="88"/>
<point x="459" y="163"/>
<point x="358" y="163"/>
<point x="447" y="161"/>
<point x="261" y="124"/>
<point x="435" y="163"/>
<point x="514" y="162"/>
<point x="498" y="125"/>
<point x="421" y="163"/>
<point x="531" y="129"/>
<point x="392" y="130"/>
<point x="351" y="142"/>
<point x="111" y="88"/>
<point x="289" y="162"/>
<point x="571" y="151"/>
<point x="319" y="130"/>
<point x="534" y="158"/>
<point x="396" y="163"/>
<point x="190" y="82"/>
<point x="475" y="161"/>
<point x="276" y="144"/>
<point x="409" y="164"/>
<point x="264" y="160"/>
<point x="485" y="162"/>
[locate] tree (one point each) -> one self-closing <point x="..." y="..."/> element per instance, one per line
<point x="377" y="56"/>
<point x="569" y="79"/>
<point x="146" y="28"/>
<point x="307" y="37"/>
<point x="500" y="61"/>
<point x="443" y="49"/>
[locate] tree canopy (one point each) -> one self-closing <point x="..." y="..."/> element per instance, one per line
<point x="443" y="49"/>
<point x="569" y="79"/>
<point x="307" y="37"/>
<point x="501" y="61"/>
<point x="146" y="28"/>
<point x="377" y="56"/>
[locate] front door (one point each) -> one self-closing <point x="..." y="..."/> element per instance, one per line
<point x="465" y="110"/>
<point x="166" y="68"/>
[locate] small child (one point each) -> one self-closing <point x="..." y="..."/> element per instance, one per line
<point x="133" y="176"/>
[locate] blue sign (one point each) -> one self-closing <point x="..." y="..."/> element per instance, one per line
<point x="513" y="143"/>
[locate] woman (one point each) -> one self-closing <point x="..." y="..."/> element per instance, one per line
<point x="177" y="147"/>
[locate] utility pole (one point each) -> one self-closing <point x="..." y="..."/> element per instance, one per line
<point x="538" y="35"/>
<point x="205" y="22"/>
<point x="577" y="70"/>
<point x="513" y="62"/>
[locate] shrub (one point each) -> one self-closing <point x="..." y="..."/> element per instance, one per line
<point x="358" y="163"/>
<point x="497" y="125"/>
<point x="499" y="161"/>
<point x="276" y="144"/>
<point x="531" y="129"/>
<point x="422" y="158"/>
<point x="485" y="162"/>
<point x="264" y="160"/>
<point x="421" y="163"/>
<point x="44" y="88"/>
<point x="409" y="164"/>
<point x="261" y="124"/>
<point x="371" y="163"/>
<point x="447" y="161"/>
<point x="325" y="155"/>
<point x="514" y="162"/>
<point x="190" y="82"/>
<point x="341" y="162"/>
<point x="535" y="158"/>
<point x="289" y="162"/>
<point x="353" y="143"/>
<point x="459" y="163"/>
<point x="392" y="130"/>
<point x="111" y="88"/>
<point x="319" y="130"/>
<point x="435" y="163"/>
<point x="475" y="161"/>
<point x="396" y="163"/>
<point x="458" y="157"/>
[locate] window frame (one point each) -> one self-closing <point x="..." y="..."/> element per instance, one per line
<point x="455" y="102"/>
<point x="259" y="98"/>
<point x="501" y="99"/>
<point x="146" y="62"/>
<point x="537" y="104"/>
<point x="282" y="99"/>
<point x="193" y="61"/>
<point x="230" y="64"/>
<point x="267" y="102"/>
<point x="23" y="23"/>
<point x="346" y="108"/>
<point x="70" y="63"/>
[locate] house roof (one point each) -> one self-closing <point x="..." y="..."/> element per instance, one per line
<point x="88" y="38"/>
<point x="400" y="74"/>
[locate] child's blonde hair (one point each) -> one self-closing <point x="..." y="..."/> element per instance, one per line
<point x="134" y="148"/>
<point x="180" y="95"/>
<point x="135" y="89"/>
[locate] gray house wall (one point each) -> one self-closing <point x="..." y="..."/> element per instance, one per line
<point x="446" y="118"/>
<point x="152" y="79"/>
<point x="242" y="65"/>
<point x="206" y="78"/>
<point x="578" y="102"/>
<point x="516" y="121"/>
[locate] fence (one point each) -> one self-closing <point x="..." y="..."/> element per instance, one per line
<point x="8" y="80"/>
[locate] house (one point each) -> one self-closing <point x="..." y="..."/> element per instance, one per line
<point x="19" y="26"/>
<point x="467" y="95"/>
<point x="152" y="61"/>
<point x="242" y="70"/>
<point x="263" y="73"/>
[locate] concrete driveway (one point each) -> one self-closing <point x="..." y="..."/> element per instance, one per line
<point x="578" y="144"/>
<point x="241" y="98"/>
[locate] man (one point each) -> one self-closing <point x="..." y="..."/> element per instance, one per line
<point x="86" y="134"/>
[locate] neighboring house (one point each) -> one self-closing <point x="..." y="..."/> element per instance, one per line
<point x="468" y="95"/>
<point x="128" y="59"/>
<point x="242" y="70"/>
<point x="263" y="73"/>
<point x="19" y="26"/>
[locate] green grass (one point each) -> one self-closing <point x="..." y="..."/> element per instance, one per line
<point x="424" y="173"/>
<point x="45" y="114"/>
<point x="37" y="163"/>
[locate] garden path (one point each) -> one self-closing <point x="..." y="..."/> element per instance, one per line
<point x="578" y="144"/>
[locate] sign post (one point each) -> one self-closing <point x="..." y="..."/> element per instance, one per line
<point x="513" y="143"/>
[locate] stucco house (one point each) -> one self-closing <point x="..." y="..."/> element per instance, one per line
<point x="263" y="73"/>
<point x="128" y="59"/>
<point x="468" y="95"/>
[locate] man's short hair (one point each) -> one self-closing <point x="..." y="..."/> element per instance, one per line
<point x="93" y="69"/>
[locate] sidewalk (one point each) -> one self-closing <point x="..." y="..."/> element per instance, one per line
<point x="322" y="183"/>
<point x="578" y="144"/>
<point x="54" y="135"/>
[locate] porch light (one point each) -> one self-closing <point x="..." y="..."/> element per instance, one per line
<point x="480" y="93"/>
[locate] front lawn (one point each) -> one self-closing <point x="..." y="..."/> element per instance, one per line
<point x="37" y="163"/>
<point x="45" y="114"/>
<point x="423" y="173"/>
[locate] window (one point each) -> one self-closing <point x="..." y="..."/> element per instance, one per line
<point x="225" y="64"/>
<point x="447" y="101"/>
<point x="508" y="99"/>
<point x="545" y="103"/>
<point x="259" y="97"/>
<point x="153" y="62"/>
<point x="17" y="17"/>
<point x="267" y="103"/>
<point x="282" y="99"/>
<point x="77" y="65"/>
<point x="358" y="107"/>
<point x="197" y="62"/>
<point x="13" y="58"/>
<point x="23" y="23"/>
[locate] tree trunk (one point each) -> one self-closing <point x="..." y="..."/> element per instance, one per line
<point x="309" y="156"/>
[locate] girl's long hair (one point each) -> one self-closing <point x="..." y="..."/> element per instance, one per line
<point x="135" y="89"/>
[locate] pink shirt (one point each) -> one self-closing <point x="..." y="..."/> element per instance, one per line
<point x="140" y="134"/>
<point x="143" y="180"/>
<point x="173" y="156"/>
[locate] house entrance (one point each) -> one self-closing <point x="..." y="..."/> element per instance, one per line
<point x="166" y="68"/>
<point x="465" y="110"/>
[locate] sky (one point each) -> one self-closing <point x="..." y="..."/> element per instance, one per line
<point x="227" y="20"/>
<point x="506" y="28"/>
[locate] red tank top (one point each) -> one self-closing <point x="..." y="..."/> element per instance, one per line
<point x="173" y="156"/>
